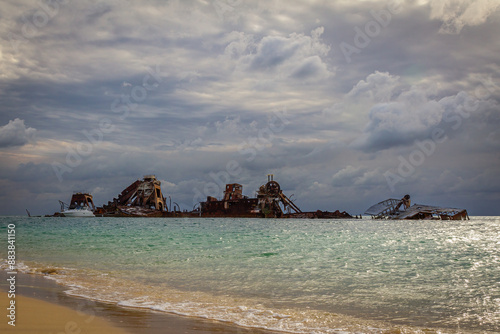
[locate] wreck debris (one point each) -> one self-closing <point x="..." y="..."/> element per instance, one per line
<point x="390" y="209"/>
<point x="143" y="198"/>
<point x="406" y="201"/>
<point x="234" y="204"/>
<point x="270" y="196"/>
<point x="270" y="202"/>
<point x="320" y="215"/>
<point x="145" y="193"/>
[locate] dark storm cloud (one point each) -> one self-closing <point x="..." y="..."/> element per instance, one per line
<point x="413" y="117"/>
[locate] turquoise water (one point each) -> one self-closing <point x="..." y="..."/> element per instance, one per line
<point x="304" y="276"/>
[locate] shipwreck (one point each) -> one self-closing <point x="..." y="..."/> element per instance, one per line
<point x="401" y="209"/>
<point x="270" y="202"/>
<point x="143" y="198"/>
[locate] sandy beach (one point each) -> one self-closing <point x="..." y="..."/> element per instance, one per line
<point x="43" y="307"/>
<point x="37" y="316"/>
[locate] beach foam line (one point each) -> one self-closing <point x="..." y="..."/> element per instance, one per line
<point x="133" y="320"/>
<point x="37" y="316"/>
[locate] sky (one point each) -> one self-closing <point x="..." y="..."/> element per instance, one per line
<point x="346" y="103"/>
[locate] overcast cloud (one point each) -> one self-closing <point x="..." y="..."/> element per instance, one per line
<point x="347" y="103"/>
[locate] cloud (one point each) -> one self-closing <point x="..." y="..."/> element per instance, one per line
<point x="16" y="134"/>
<point x="346" y="176"/>
<point x="32" y="172"/>
<point x="357" y="176"/>
<point x="400" y="115"/>
<point x="378" y="87"/>
<point x="296" y="56"/>
<point x="456" y="14"/>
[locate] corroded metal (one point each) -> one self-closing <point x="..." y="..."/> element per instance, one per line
<point x="79" y="200"/>
<point x="320" y="215"/>
<point x="270" y="202"/>
<point x="391" y="209"/>
<point x="233" y="204"/>
<point x="143" y="198"/>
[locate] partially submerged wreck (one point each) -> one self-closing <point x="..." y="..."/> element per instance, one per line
<point x="400" y="209"/>
<point x="270" y="202"/>
<point x="143" y="198"/>
<point x="234" y="204"/>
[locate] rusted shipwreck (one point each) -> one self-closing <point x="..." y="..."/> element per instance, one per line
<point x="270" y="202"/>
<point x="143" y="198"/>
<point x="400" y="209"/>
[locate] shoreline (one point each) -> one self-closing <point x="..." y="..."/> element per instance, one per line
<point x="35" y="292"/>
<point x="58" y="312"/>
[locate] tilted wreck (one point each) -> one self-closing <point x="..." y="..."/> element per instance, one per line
<point x="143" y="198"/>
<point x="400" y="209"/>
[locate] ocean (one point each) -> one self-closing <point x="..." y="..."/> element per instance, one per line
<point x="292" y="275"/>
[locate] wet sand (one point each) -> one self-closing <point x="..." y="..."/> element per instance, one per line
<point x="43" y="307"/>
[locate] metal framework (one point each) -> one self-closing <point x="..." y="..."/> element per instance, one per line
<point x="390" y="209"/>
